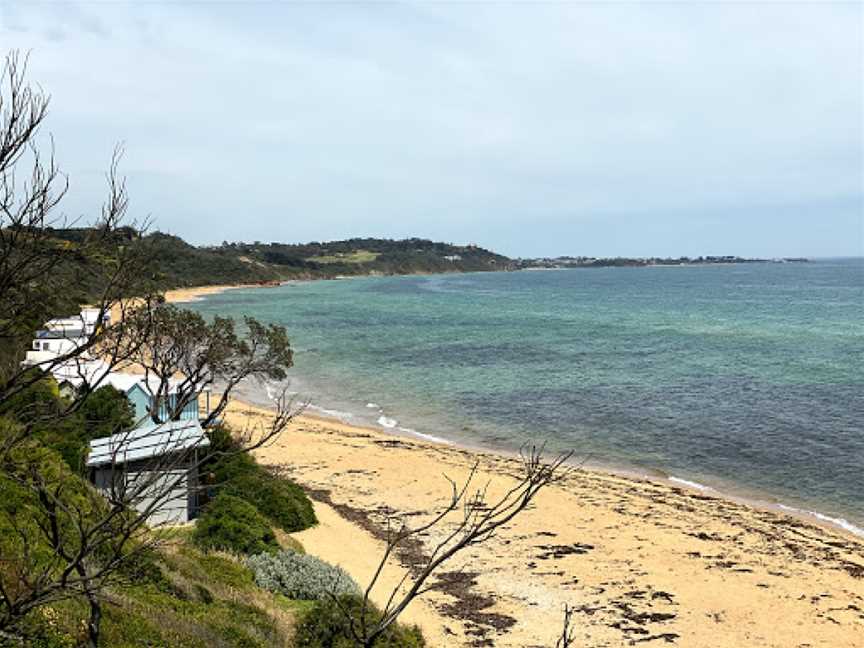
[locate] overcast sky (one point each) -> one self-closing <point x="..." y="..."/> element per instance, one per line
<point x="534" y="129"/>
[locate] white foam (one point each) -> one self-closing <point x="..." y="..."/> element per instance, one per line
<point x="425" y="437"/>
<point x="373" y="406"/>
<point x="387" y="422"/>
<point x="345" y="417"/>
<point x="839" y="522"/>
<point x="690" y="484"/>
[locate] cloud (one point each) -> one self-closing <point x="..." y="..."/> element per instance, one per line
<point x="541" y="128"/>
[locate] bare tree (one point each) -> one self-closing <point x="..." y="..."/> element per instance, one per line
<point x="477" y="520"/>
<point x="62" y="539"/>
<point x="41" y="273"/>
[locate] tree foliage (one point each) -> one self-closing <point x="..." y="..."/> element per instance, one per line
<point x="169" y="342"/>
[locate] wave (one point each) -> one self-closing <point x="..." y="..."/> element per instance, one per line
<point x="392" y="424"/>
<point x="426" y="437"/>
<point x="690" y="484"/>
<point x="387" y="422"/>
<point x="339" y="415"/>
<point x="373" y="406"/>
<point x="843" y="523"/>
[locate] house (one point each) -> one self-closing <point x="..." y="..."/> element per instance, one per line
<point x="140" y="390"/>
<point x="64" y="335"/>
<point x="142" y="396"/>
<point x="160" y="459"/>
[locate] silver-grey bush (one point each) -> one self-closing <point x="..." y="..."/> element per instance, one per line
<point x="299" y="576"/>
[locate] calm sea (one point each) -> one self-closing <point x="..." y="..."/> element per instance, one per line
<point x="744" y="378"/>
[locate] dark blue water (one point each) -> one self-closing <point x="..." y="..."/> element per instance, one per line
<point x="747" y="378"/>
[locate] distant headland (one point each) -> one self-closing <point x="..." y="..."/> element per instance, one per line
<point x="606" y="262"/>
<point x="179" y="264"/>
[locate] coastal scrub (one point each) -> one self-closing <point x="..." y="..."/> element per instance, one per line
<point x="300" y="576"/>
<point x="230" y="524"/>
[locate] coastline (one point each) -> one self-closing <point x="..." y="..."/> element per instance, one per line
<point x="196" y="293"/>
<point x="638" y="558"/>
<point x="655" y="476"/>
<point x="738" y="494"/>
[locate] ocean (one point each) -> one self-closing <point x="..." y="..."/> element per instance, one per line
<point x="747" y="379"/>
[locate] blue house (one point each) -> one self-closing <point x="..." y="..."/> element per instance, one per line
<point x="142" y="401"/>
<point x="140" y="392"/>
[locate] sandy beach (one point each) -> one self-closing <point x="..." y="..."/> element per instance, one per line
<point x="641" y="561"/>
<point x="181" y="295"/>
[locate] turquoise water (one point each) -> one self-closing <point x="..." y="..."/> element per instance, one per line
<point x="746" y="378"/>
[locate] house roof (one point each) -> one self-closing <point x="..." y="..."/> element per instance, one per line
<point x="155" y="440"/>
<point x="76" y="371"/>
<point x="61" y="334"/>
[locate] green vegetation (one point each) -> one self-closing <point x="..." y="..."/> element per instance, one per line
<point x="326" y="626"/>
<point x="176" y="263"/>
<point x="279" y="499"/>
<point x="358" y="256"/>
<point x="231" y="524"/>
<point x="104" y="412"/>
<point x="362" y="256"/>
<point x="195" y="599"/>
<point x="299" y="576"/>
<point x="25" y="472"/>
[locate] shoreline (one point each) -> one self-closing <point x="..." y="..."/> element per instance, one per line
<point x="755" y="498"/>
<point x="197" y="293"/>
<point x="638" y="558"/>
<point x="656" y="476"/>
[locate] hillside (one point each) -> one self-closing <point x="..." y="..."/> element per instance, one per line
<point x="178" y="263"/>
<point x="360" y="256"/>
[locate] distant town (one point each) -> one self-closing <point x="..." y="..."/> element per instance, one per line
<point x="603" y="262"/>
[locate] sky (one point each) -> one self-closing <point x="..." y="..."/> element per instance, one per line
<point x="534" y="129"/>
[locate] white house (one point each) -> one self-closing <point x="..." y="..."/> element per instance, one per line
<point x="64" y="335"/>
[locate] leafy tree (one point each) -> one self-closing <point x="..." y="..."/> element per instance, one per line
<point x="169" y="341"/>
<point x="107" y="411"/>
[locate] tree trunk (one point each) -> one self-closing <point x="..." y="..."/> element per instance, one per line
<point x="95" y="622"/>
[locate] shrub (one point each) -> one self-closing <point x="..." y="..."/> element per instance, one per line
<point x="105" y="412"/>
<point x="326" y="626"/>
<point x="298" y="576"/>
<point x="280" y="499"/>
<point x="230" y="524"/>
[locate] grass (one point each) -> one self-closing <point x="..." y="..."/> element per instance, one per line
<point x="358" y="256"/>
<point x="209" y="599"/>
<point x="206" y="600"/>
